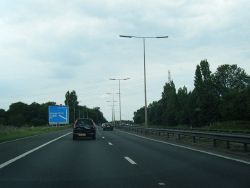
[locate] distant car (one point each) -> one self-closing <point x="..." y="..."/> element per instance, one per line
<point x="107" y="127"/>
<point x="84" y="127"/>
<point x="103" y="125"/>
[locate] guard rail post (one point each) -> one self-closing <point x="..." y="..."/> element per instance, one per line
<point x="214" y="142"/>
<point x="228" y="145"/>
<point x="194" y="140"/>
<point x="245" y="147"/>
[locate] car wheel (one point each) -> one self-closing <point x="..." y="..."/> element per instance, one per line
<point x="94" y="137"/>
<point x="74" y="137"/>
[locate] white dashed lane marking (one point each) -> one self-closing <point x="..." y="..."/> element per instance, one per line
<point x="110" y="144"/>
<point x="130" y="160"/>
<point x="161" y="184"/>
<point x="190" y="148"/>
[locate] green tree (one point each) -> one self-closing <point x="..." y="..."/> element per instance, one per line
<point x="235" y="105"/>
<point x="228" y="77"/>
<point x="223" y="95"/>
<point x="72" y="103"/>
<point x="205" y="71"/>
<point x="232" y="85"/>
<point x="95" y="114"/>
<point x="33" y="111"/>
<point x="169" y="102"/>
<point x="183" y="111"/>
<point x="198" y="81"/>
<point x="2" y="117"/>
<point x="17" y="120"/>
<point x="139" y="116"/>
<point x="154" y="112"/>
<point x="205" y="97"/>
<point x="18" y="114"/>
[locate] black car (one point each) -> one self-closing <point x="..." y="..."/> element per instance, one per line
<point x="84" y="128"/>
<point x="108" y="127"/>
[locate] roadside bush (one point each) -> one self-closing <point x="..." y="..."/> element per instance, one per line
<point x="37" y="122"/>
<point x="17" y="120"/>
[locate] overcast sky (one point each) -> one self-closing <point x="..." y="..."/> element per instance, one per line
<point x="50" y="46"/>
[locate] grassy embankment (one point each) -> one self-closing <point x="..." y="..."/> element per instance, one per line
<point x="229" y="126"/>
<point x="11" y="133"/>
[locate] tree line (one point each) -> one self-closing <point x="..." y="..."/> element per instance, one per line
<point x="220" y="96"/>
<point x="78" y="111"/>
<point x="35" y="114"/>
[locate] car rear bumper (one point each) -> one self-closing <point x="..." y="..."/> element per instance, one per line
<point x="84" y="134"/>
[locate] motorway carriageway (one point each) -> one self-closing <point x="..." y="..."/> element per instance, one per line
<point x="115" y="159"/>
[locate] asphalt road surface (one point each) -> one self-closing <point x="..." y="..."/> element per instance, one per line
<point x="115" y="159"/>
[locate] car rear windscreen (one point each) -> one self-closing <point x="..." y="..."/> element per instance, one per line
<point x="84" y="122"/>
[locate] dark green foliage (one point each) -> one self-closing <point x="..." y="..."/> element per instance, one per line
<point x="35" y="114"/>
<point x="72" y="103"/>
<point x="38" y="122"/>
<point x="2" y="117"/>
<point x="17" y="120"/>
<point x="232" y="85"/>
<point x="198" y="78"/>
<point x="230" y="77"/>
<point x="169" y="104"/>
<point x="182" y="113"/>
<point x="154" y="113"/>
<point x="78" y="111"/>
<point x="139" y="116"/>
<point x="221" y="96"/>
<point x="206" y="99"/>
<point x="236" y="105"/>
<point x="20" y="114"/>
<point x="205" y="70"/>
<point x="93" y="113"/>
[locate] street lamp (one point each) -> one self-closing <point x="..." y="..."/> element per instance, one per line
<point x="145" y="85"/>
<point x="112" y="110"/>
<point x="113" y="105"/>
<point x="119" y="79"/>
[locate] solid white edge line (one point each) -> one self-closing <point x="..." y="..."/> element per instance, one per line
<point x="110" y="144"/>
<point x="189" y="148"/>
<point x="130" y="160"/>
<point x="30" y="151"/>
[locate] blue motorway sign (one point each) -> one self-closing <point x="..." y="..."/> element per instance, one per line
<point x="58" y="115"/>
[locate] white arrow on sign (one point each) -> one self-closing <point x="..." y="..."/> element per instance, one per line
<point x="62" y="117"/>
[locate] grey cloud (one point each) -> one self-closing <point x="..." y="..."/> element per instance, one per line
<point x="55" y="46"/>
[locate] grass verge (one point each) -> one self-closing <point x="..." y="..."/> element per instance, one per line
<point x="8" y="133"/>
<point x="231" y="126"/>
<point x="227" y="126"/>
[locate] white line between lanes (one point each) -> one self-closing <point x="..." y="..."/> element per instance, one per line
<point x="161" y="184"/>
<point x="189" y="148"/>
<point x="110" y="144"/>
<point x="31" y="151"/>
<point x="130" y="160"/>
